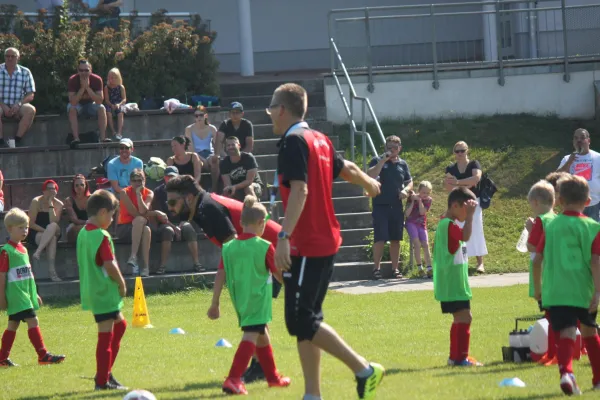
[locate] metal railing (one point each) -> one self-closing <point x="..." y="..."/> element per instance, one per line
<point x="434" y="38"/>
<point x="349" y="108"/>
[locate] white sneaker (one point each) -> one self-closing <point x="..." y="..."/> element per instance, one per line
<point x="569" y="385"/>
<point x="480" y="269"/>
<point x="132" y="262"/>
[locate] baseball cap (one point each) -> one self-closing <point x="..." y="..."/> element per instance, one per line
<point x="102" y="183"/>
<point x="171" y="171"/>
<point x="126" y="142"/>
<point x="236" y="105"/>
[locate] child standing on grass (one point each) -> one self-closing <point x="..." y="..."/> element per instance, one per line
<point x="115" y="99"/>
<point x="566" y="271"/>
<point x="451" y="272"/>
<point x="102" y="285"/>
<point x="541" y="200"/>
<point x="248" y="266"/>
<point x="416" y="224"/>
<point x="18" y="292"/>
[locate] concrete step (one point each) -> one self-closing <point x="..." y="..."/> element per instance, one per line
<point x="244" y="89"/>
<point x="351" y="253"/>
<point x="258" y="102"/>
<point x="340" y="204"/>
<point x="357" y="220"/>
<point x="353" y="237"/>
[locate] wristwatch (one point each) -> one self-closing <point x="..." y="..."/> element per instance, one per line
<point x="283" y="235"/>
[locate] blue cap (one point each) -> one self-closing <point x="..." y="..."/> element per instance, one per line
<point x="171" y="171"/>
<point x="236" y="105"/>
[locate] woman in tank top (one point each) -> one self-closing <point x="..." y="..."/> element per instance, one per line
<point x="76" y="205"/>
<point x="202" y="136"/>
<point x="187" y="162"/>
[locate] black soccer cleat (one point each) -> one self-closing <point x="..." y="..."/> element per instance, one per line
<point x="50" y="358"/>
<point x="7" y="363"/>
<point x="254" y="372"/>
<point x="109" y="386"/>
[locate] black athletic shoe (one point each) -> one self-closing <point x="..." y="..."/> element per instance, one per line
<point x="7" y="363"/>
<point x="109" y="386"/>
<point x="111" y="379"/>
<point x="50" y="358"/>
<point x="254" y="373"/>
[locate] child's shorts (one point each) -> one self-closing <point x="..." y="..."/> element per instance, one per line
<point x="563" y="317"/>
<point x="255" y="328"/>
<point x="107" y="316"/>
<point x="450" y="307"/>
<point x="21" y="316"/>
<point x="417" y="231"/>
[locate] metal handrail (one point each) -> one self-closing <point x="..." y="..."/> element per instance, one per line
<point x="349" y="108"/>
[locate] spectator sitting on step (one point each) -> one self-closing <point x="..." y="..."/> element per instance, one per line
<point x="45" y="212"/>
<point x="76" y="207"/>
<point x="135" y="201"/>
<point x="175" y="228"/>
<point x="119" y="169"/>
<point x="237" y="126"/>
<point x="186" y="162"/>
<point x="115" y="98"/>
<point x="239" y="172"/>
<point x="203" y="135"/>
<point x="86" y="97"/>
<point x="17" y="89"/>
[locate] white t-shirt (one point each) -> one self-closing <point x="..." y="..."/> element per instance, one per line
<point x="587" y="166"/>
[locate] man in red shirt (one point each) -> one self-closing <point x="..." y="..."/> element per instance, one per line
<point x="310" y="237"/>
<point x="86" y="97"/>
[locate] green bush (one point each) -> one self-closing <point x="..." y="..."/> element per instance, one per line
<point x="171" y="59"/>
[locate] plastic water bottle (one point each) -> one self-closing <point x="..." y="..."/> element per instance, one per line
<point x="522" y="243"/>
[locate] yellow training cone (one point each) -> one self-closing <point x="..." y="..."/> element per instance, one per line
<point x="141" y="317"/>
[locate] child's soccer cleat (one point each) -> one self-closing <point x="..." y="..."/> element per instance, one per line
<point x="467" y="362"/>
<point x="234" y="386"/>
<point x="7" y="363"/>
<point x="254" y="372"/>
<point x="115" y="382"/>
<point x="50" y="358"/>
<point x="569" y="385"/>
<point x="366" y="387"/>
<point x="282" y="381"/>
<point x="109" y="386"/>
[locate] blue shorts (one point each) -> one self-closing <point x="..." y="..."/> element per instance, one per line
<point x="388" y="222"/>
<point x="205" y="154"/>
<point x="89" y="109"/>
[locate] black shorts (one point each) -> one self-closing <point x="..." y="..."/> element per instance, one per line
<point x="450" y="307"/>
<point x="105" y="317"/>
<point x="255" y="328"/>
<point x="388" y="223"/>
<point x="276" y="288"/>
<point x="306" y="285"/>
<point x="21" y="316"/>
<point x="563" y="317"/>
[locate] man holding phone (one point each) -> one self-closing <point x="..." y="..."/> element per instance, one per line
<point x="585" y="163"/>
<point x="388" y="212"/>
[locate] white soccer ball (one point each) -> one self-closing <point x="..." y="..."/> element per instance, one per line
<point x="154" y="172"/>
<point x="538" y="337"/>
<point x="139" y="394"/>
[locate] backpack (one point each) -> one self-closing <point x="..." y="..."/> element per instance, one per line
<point x="101" y="169"/>
<point x="487" y="188"/>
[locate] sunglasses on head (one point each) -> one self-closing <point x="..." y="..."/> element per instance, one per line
<point x="460" y="151"/>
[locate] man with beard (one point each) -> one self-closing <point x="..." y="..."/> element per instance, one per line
<point x="239" y="172"/>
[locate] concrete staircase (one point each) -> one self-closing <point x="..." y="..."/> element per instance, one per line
<point x="48" y="157"/>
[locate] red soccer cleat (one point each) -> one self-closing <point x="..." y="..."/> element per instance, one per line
<point x="282" y="381"/>
<point x="234" y="386"/>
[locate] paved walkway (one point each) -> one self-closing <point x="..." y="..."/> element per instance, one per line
<point x="407" y="285"/>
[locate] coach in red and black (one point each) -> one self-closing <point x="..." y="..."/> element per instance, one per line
<point x="310" y="237"/>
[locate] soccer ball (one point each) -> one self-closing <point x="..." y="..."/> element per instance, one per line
<point x="139" y="394"/>
<point x="154" y="172"/>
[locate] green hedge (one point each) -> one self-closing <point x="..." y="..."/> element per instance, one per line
<point x="171" y="59"/>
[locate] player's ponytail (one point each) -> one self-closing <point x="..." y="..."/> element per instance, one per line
<point x="253" y="211"/>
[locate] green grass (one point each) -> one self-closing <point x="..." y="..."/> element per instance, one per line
<point x="515" y="150"/>
<point x="408" y="335"/>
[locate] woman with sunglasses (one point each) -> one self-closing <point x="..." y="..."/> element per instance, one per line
<point x="45" y="212"/>
<point x="202" y="135"/>
<point x="186" y="162"/>
<point x="76" y="205"/>
<point x="467" y="173"/>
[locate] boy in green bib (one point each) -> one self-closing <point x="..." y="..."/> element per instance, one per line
<point x="248" y="266"/>
<point x="451" y="272"/>
<point x="541" y="201"/>
<point x="102" y="286"/>
<point x="18" y="293"/>
<point x="566" y="274"/>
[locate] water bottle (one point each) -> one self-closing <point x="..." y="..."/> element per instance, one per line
<point x="522" y="243"/>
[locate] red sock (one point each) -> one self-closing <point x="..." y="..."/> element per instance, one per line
<point x="566" y="347"/>
<point x="267" y="362"/>
<point x="103" y="357"/>
<point x="242" y="358"/>
<point x="592" y="344"/>
<point x="454" y="355"/>
<point x="7" y="342"/>
<point x="35" y="337"/>
<point x="551" y="338"/>
<point x="118" y="332"/>
<point x="464" y="337"/>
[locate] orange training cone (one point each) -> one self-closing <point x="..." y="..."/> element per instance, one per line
<point x="141" y="317"/>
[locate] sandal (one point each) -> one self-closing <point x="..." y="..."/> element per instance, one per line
<point x="199" y="267"/>
<point x="397" y="274"/>
<point x="376" y="274"/>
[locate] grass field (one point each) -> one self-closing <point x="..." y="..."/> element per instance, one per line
<point x="404" y="331"/>
<point x="515" y="150"/>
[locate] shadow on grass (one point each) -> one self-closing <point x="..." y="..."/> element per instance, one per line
<point x="489" y="368"/>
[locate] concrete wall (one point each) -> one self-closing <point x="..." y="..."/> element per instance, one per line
<point x="536" y="90"/>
